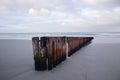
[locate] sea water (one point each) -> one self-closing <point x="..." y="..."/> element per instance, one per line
<point x="70" y="34"/>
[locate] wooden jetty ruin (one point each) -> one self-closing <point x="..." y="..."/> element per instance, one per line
<point x="51" y="51"/>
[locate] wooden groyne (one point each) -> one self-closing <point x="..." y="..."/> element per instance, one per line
<point x="51" y="51"/>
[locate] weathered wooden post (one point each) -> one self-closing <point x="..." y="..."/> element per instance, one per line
<point x="43" y="52"/>
<point x="66" y="43"/>
<point x="35" y="43"/>
<point x="40" y="53"/>
<point x="58" y="51"/>
<point x="81" y="42"/>
<point x="54" y="52"/>
<point x="50" y="54"/>
<point x="63" y="48"/>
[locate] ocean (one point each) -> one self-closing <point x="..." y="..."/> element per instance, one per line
<point x="28" y="36"/>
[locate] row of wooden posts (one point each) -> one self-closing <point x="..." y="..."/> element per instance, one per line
<point x="51" y="51"/>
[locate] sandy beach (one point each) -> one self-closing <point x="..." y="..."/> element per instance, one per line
<point x="100" y="60"/>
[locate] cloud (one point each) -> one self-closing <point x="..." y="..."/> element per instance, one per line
<point x="60" y="14"/>
<point x="87" y="19"/>
<point x="60" y="8"/>
<point x="91" y="17"/>
<point x="104" y="4"/>
<point x="32" y="11"/>
<point x="96" y="2"/>
<point x="44" y="11"/>
<point x="41" y="12"/>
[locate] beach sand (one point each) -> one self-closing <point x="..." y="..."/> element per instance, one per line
<point x="100" y="60"/>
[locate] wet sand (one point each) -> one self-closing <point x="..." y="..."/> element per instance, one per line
<point x="99" y="60"/>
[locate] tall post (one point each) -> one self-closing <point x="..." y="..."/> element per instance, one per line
<point x="43" y="53"/>
<point x="50" y="54"/>
<point x="35" y="43"/>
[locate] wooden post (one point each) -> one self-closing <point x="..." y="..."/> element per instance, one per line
<point x="43" y="52"/>
<point x="35" y="43"/>
<point x="54" y="52"/>
<point x="50" y="54"/>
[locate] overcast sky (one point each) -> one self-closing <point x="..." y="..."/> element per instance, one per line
<point x="59" y="16"/>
